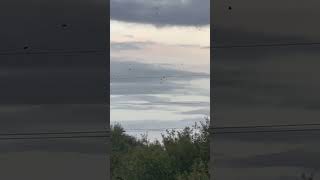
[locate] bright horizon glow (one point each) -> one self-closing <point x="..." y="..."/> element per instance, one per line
<point x="171" y="35"/>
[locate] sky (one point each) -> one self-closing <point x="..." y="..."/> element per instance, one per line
<point x="160" y="63"/>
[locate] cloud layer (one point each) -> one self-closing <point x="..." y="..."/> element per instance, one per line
<point x="162" y="12"/>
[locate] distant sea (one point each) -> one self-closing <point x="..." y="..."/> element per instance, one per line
<point x="153" y="129"/>
<point x="152" y="135"/>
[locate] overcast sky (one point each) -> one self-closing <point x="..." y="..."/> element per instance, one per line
<point x="159" y="62"/>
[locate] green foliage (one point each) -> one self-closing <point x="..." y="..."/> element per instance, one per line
<point x="182" y="155"/>
<point x="121" y="143"/>
<point x="199" y="172"/>
<point x="145" y="163"/>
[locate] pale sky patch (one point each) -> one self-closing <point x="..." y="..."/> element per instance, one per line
<point x="153" y="51"/>
<point x="123" y="31"/>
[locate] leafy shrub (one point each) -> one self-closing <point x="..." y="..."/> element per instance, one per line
<point x="182" y="155"/>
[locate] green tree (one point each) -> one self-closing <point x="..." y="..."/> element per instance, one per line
<point x="188" y="147"/>
<point x="146" y="163"/>
<point x="121" y="144"/>
<point x="182" y="155"/>
<point x="199" y="172"/>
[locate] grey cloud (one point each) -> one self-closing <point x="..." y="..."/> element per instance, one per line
<point x="126" y="71"/>
<point x="204" y="111"/>
<point x="170" y="103"/>
<point x="193" y="46"/>
<point x="138" y="78"/>
<point x="124" y="46"/>
<point x="125" y="102"/>
<point x="133" y="81"/>
<point x="157" y="124"/>
<point x="150" y="102"/>
<point x="138" y="45"/>
<point x="147" y="98"/>
<point x="162" y="12"/>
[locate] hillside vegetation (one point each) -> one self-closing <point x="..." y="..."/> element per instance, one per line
<point x="181" y="155"/>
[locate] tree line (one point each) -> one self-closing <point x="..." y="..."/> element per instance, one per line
<point x="180" y="155"/>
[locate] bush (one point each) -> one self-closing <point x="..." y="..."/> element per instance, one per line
<point x="182" y="155"/>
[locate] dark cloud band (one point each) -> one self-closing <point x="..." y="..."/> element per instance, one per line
<point x="162" y="13"/>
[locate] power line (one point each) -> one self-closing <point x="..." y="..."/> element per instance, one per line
<point x="265" y="45"/>
<point x="272" y="128"/>
<point x="51" y="133"/>
<point x="244" y="131"/>
<point x="152" y="129"/>
<point x="163" y="129"/>
<point x="266" y="131"/>
<point x="53" y="137"/>
<point x="268" y="126"/>
<point x="163" y="103"/>
<point x="234" y="132"/>
<point x="158" y="129"/>
<point x="54" y="52"/>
